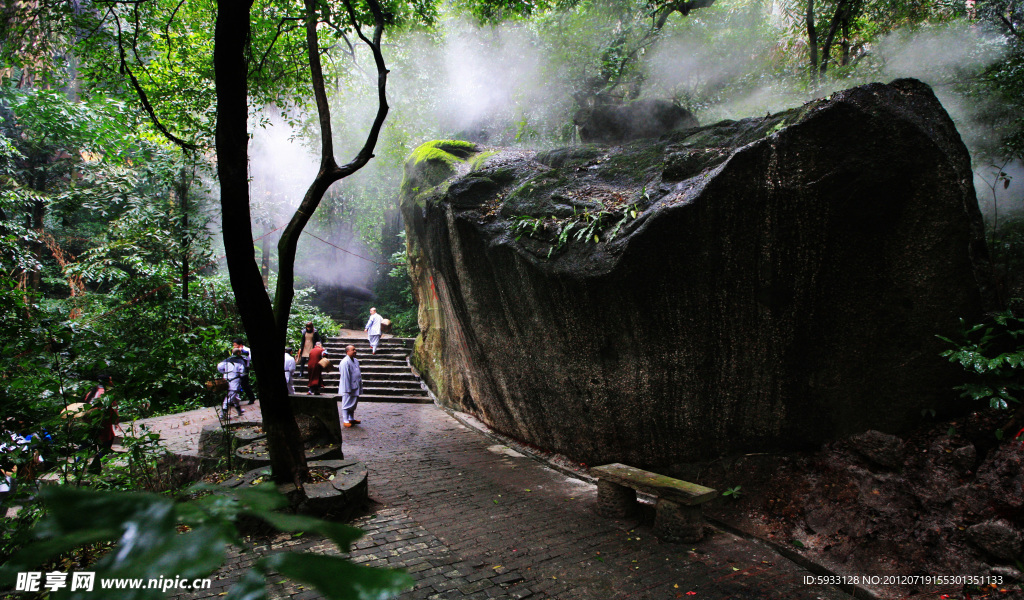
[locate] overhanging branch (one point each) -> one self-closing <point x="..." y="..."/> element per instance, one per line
<point x="145" y="98"/>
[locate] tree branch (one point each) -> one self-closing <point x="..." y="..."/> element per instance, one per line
<point x="277" y="34"/>
<point x="167" y="27"/>
<point x="329" y="170"/>
<point x="366" y="153"/>
<point x="1009" y="25"/>
<point x="144" y="98"/>
<point x="351" y="51"/>
<point x="98" y="25"/>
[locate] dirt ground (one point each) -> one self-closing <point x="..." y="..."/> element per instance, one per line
<point x="945" y="500"/>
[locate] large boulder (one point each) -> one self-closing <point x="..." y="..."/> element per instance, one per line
<point x="750" y="285"/>
<point x="617" y="123"/>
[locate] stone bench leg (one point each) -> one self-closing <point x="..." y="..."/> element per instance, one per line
<point x="614" y="500"/>
<point x="675" y="522"/>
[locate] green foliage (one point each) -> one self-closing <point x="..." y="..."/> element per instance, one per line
<point x="1006" y="249"/>
<point x="394" y="296"/>
<point x="49" y="121"/>
<point x="1005" y="77"/>
<point x="992" y="352"/>
<point x="733" y="492"/>
<point x="302" y="312"/>
<point x="582" y="226"/>
<point x="148" y="545"/>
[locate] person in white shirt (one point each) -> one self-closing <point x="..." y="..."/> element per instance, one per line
<point x="233" y="369"/>
<point x="239" y="344"/>
<point x="289" y="369"/>
<point x="373" y="330"/>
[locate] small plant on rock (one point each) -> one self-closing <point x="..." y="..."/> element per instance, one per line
<point x="733" y="492"/>
<point x="993" y="353"/>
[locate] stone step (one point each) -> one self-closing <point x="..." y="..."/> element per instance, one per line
<point x="393" y="391"/>
<point x="398" y="384"/>
<point x="375" y="367"/>
<point x="365" y="348"/>
<point x="364" y="353"/>
<point x="384" y="343"/>
<point x="365" y="344"/>
<point x="398" y="376"/>
<point x="398" y="360"/>
<point x="406" y="384"/>
<point x="386" y="374"/>
<point x="402" y="384"/>
<point x="410" y="385"/>
<point x="372" y="363"/>
<point x="372" y="398"/>
<point x="361" y="335"/>
<point x="372" y="392"/>
<point x="398" y="399"/>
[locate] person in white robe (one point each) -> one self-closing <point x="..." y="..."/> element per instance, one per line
<point x="289" y="370"/>
<point x="351" y="386"/>
<point x="233" y="369"/>
<point x="373" y="330"/>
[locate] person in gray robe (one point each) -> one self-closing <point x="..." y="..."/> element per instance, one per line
<point x="373" y="330"/>
<point x="350" y="387"/>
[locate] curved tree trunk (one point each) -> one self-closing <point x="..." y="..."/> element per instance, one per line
<point x="288" y="461"/>
<point x="329" y="170"/>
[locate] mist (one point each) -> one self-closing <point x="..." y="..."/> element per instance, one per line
<point x="513" y="84"/>
<point x="1000" y="196"/>
<point x="493" y="83"/>
<point x="281" y="168"/>
<point x="684" y="65"/>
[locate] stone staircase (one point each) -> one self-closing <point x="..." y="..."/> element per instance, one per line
<point x="387" y="376"/>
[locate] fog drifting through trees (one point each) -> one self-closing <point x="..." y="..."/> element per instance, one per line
<point x="513" y="83"/>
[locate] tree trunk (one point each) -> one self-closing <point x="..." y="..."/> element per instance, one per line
<point x="288" y="461"/>
<point x="846" y="42"/>
<point x="826" y="48"/>
<point x="265" y="261"/>
<point x="329" y="169"/>
<point x="35" y="279"/>
<point x="812" y="40"/>
<point x="186" y="238"/>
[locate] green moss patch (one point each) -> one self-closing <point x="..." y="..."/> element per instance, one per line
<point x="431" y="164"/>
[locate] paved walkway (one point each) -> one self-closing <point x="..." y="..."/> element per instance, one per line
<point x="470" y="519"/>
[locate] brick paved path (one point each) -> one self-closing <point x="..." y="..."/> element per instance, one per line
<point x="470" y="519"/>
<point x="180" y="433"/>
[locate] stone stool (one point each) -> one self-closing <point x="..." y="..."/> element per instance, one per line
<point x="679" y="516"/>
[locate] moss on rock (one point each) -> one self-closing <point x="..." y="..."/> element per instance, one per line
<point x="432" y="163"/>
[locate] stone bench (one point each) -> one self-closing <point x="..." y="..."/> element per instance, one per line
<point x="679" y="516"/>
